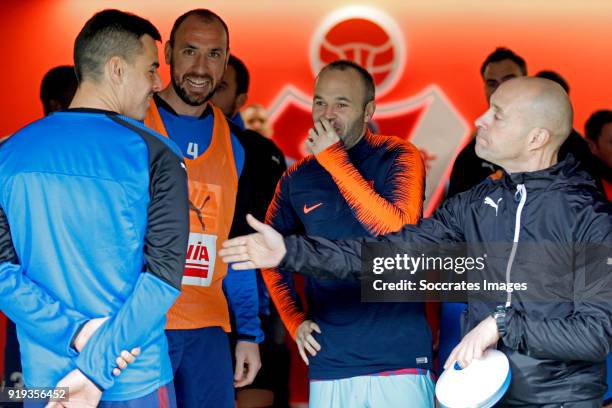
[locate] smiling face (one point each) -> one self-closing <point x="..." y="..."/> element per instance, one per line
<point x="197" y="59"/>
<point x="339" y="97"/>
<point x="141" y="81"/>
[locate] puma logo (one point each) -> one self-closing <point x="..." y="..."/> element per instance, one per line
<point x="198" y="211"/>
<point x="309" y="209"/>
<point x="489" y="201"/>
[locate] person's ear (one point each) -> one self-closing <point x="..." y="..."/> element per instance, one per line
<point x="115" y="69"/>
<point x="168" y="53"/>
<point x="538" y="138"/>
<point x="369" y="111"/>
<point x="227" y="55"/>
<point x="593" y="147"/>
<point x="241" y="100"/>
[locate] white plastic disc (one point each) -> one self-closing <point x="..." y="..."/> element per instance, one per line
<point x="479" y="385"/>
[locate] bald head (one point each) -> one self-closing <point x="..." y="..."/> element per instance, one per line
<point x="527" y="122"/>
<point x="543" y="104"/>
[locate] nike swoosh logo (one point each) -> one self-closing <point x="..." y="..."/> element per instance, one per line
<point x="309" y="209"/>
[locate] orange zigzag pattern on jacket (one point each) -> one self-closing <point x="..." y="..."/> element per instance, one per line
<point x="377" y="214"/>
<point x="291" y="315"/>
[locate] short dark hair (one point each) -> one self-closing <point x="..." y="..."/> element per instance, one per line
<point x="596" y="122"/>
<point x="204" y="14"/>
<point x="59" y="84"/>
<point x="556" y="77"/>
<point x="366" y="78"/>
<point x="500" y="54"/>
<point x="109" y="33"/>
<point x="242" y="74"/>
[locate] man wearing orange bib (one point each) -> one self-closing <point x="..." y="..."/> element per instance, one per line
<point x="199" y="321"/>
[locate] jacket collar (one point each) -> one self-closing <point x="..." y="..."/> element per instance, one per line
<point x="566" y="171"/>
<point x="89" y="110"/>
<point x="362" y="149"/>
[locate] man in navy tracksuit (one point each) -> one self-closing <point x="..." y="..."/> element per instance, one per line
<point x="355" y="183"/>
<point x="94" y="228"/>
<point x="555" y="231"/>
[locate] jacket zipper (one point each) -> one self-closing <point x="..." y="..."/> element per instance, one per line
<point x="522" y="191"/>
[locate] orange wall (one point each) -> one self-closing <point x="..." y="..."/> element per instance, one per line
<point x="446" y="42"/>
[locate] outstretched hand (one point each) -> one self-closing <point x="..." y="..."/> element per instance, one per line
<point x="263" y="249"/>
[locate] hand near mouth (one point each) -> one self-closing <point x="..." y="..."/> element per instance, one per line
<point x="321" y="136"/>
